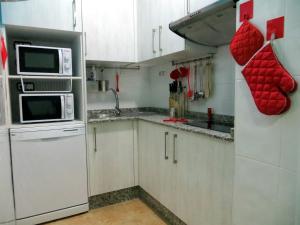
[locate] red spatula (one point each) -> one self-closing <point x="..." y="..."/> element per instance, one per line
<point x="117" y="82"/>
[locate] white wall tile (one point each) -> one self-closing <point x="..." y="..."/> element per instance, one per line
<point x="289" y="54"/>
<point x="266" y="10"/>
<point x="286" y="201"/>
<point x="292" y="28"/>
<point x="255" y="191"/>
<point x="134" y="90"/>
<point x="290" y="130"/>
<point x="257" y="135"/>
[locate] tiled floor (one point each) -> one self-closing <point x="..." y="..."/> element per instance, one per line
<point x="133" y="212"/>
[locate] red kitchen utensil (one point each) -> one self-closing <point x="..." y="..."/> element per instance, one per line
<point x="117" y="82"/>
<point x="175" y="74"/>
<point x="184" y="71"/>
<point x="190" y="92"/>
<point x="176" y="120"/>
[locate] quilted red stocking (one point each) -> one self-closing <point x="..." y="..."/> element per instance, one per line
<point x="269" y="82"/>
<point x="246" y="42"/>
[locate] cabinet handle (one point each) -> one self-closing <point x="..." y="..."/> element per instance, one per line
<point x="188" y="6"/>
<point x="174" y="149"/>
<point x="95" y="139"/>
<point x="74" y="14"/>
<point x="153" y="37"/>
<point x="160" y="32"/>
<point x="166" y="135"/>
<point x="85" y="45"/>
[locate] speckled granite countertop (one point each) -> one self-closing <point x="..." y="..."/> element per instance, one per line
<point x="158" y="119"/>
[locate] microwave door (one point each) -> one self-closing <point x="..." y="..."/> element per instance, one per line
<point x="38" y="61"/>
<point x="41" y="108"/>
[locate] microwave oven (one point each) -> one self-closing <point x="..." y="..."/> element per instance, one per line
<point x="36" y="108"/>
<point x="42" y="60"/>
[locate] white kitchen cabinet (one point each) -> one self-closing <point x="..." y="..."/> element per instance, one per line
<point x="194" y="5"/>
<point x="204" y="179"/>
<point x="110" y="30"/>
<point x="155" y="163"/>
<point x="154" y="36"/>
<point x="51" y="14"/>
<point x="111" y="156"/>
<point x="151" y="156"/>
<point x="195" y="182"/>
<point x="6" y="190"/>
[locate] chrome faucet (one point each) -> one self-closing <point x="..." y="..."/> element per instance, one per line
<point x="117" y="108"/>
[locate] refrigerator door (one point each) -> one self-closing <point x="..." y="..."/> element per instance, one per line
<point x="49" y="169"/>
<point x="6" y="190"/>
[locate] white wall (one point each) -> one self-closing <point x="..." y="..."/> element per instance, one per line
<point x="222" y="100"/>
<point x="134" y="90"/>
<point x="267" y="147"/>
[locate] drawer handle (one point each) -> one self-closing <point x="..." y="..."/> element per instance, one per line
<point x="174" y="149"/>
<point x="166" y="135"/>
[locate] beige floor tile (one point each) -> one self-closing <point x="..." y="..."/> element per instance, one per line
<point x="133" y="212"/>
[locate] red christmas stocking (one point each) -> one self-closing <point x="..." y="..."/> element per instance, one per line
<point x="246" y="42"/>
<point x="269" y="82"/>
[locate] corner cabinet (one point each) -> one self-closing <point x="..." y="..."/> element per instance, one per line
<point x="110" y="156"/>
<point x="50" y="14"/>
<point x="110" y="30"/>
<point x="190" y="174"/>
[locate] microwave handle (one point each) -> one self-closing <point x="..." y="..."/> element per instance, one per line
<point x="60" y="57"/>
<point x="62" y="100"/>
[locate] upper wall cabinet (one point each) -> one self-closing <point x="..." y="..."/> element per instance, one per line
<point x="51" y="14"/>
<point x="154" y="36"/>
<point x="194" y="5"/>
<point x="110" y="30"/>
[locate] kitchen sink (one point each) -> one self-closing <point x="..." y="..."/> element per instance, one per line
<point x="105" y="115"/>
<point x="212" y="125"/>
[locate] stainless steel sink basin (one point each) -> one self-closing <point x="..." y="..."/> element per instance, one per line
<point x="105" y="115"/>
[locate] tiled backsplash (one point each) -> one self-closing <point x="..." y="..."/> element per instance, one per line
<point x="148" y="87"/>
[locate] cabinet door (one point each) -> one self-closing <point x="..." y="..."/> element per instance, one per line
<point x="156" y="167"/>
<point x="110" y="30"/>
<point x="204" y="176"/>
<point x="195" y="5"/>
<point x="151" y="157"/>
<point x="111" y="165"/>
<point x="193" y="178"/>
<point x="52" y="14"/>
<point x="169" y="42"/>
<point x="148" y="15"/>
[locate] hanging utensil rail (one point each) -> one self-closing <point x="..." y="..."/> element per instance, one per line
<point x="175" y="63"/>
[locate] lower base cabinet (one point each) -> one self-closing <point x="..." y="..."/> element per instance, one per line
<point x="190" y="174"/>
<point x="111" y="156"/>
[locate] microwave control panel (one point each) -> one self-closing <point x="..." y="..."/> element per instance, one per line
<point x="69" y="106"/>
<point x="67" y="61"/>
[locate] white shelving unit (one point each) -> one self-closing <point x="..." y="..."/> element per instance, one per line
<point x="43" y="37"/>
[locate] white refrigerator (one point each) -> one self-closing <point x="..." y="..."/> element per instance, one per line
<point x="7" y="215"/>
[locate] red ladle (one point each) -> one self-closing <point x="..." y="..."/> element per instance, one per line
<point x="190" y="92"/>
